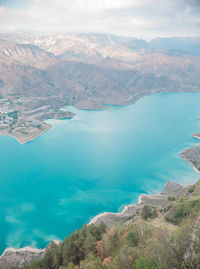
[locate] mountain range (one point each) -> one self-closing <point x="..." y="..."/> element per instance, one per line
<point x="90" y="70"/>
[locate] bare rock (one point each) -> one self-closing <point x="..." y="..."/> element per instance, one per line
<point x="173" y="189"/>
<point x="19" y="257"/>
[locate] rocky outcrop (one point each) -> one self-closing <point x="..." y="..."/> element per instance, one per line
<point x="196" y="136"/>
<point x="174" y="189"/>
<point x="158" y="200"/>
<point x="192" y="155"/>
<point x="19" y="257"/>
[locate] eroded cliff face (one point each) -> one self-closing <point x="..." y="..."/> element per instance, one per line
<point x="158" y="200"/>
<point x="192" y="155"/>
<point x="19" y="257"/>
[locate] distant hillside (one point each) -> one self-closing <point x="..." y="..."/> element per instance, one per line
<point x="187" y="44"/>
<point x="42" y="73"/>
<point x="117" y="70"/>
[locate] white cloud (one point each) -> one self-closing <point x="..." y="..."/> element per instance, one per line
<point x="128" y="17"/>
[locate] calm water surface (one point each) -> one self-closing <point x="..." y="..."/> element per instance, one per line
<point x="98" y="161"/>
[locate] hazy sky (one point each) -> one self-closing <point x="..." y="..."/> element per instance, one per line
<point x="139" y="18"/>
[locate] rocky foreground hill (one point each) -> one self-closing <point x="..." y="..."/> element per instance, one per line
<point x="42" y="73"/>
<point x="18" y="258"/>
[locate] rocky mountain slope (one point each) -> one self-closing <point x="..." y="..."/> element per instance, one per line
<point x="19" y="257"/>
<point x="167" y="69"/>
<point x="44" y="72"/>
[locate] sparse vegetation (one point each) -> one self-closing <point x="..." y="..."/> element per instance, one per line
<point x="171" y="198"/>
<point x="13" y="114"/>
<point x="149" y="212"/>
<point x="39" y="126"/>
<point x="139" y="245"/>
<point x="191" y="190"/>
<point x="132" y="239"/>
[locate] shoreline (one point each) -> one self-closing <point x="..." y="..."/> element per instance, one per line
<point x="30" y="137"/>
<point x="196" y="135"/>
<point x="142" y="196"/>
<point x="188" y="161"/>
<point x="157" y="200"/>
<point x="170" y="189"/>
<point x="88" y="105"/>
<point x="27" y="130"/>
<point x="184" y="156"/>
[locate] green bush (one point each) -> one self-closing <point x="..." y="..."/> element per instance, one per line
<point x="172" y="219"/>
<point x="195" y="203"/>
<point x="132" y="239"/>
<point x="148" y="212"/>
<point x="145" y="263"/>
<point x="180" y="211"/>
<point x="154" y="213"/>
<point x="72" y="250"/>
<point x="171" y="198"/>
<point x="81" y="243"/>
<point x="167" y="208"/>
<point x="191" y="189"/>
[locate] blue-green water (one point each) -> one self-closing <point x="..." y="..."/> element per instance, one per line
<point x="98" y="161"/>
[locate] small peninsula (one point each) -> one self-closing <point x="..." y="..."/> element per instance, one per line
<point x="25" y="123"/>
<point x="192" y="155"/>
<point x="196" y="136"/>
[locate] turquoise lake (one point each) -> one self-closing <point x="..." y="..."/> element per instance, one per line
<point x="98" y="161"/>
